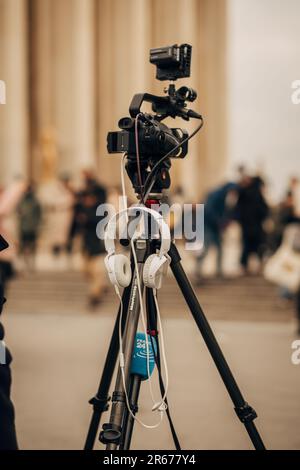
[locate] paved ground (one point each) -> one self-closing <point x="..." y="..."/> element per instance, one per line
<point x="59" y="348"/>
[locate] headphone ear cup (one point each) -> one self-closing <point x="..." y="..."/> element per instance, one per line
<point x="122" y="270"/>
<point x="109" y="264"/>
<point x="152" y="275"/>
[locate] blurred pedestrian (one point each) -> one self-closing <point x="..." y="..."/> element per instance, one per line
<point x="176" y="220"/>
<point x="251" y="210"/>
<point x="75" y="229"/>
<point x="284" y="215"/>
<point x="9" y="200"/>
<point x="283" y="267"/>
<point x="217" y="215"/>
<point x="294" y="189"/>
<point x="93" y="247"/>
<point x="92" y="185"/>
<point x="29" y="219"/>
<point x="57" y="204"/>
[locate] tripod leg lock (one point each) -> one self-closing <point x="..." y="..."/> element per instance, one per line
<point x="119" y="396"/>
<point x="246" y="413"/>
<point x="111" y="434"/>
<point x="100" y="404"/>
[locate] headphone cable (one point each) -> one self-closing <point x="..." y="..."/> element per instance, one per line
<point x="151" y="175"/>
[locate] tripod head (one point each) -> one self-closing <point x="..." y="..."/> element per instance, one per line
<point x="146" y="140"/>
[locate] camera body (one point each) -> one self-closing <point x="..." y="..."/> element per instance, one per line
<point x="155" y="138"/>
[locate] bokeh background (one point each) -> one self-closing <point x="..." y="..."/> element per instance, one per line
<point x="71" y="68"/>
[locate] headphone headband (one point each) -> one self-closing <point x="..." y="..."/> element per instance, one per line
<point x="110" y="232"/>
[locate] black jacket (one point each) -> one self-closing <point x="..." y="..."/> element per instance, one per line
<point x="252" y="210"/>
<point x="8" y="440"/>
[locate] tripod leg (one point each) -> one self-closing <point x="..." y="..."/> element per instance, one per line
<point x="135" y="382"/>
<point x="100" y="400"/>
<point x="128" y="424"/>
<point x="152" y="325"/>
<point x="245" y="413"/>
<point x="111" y="433"/>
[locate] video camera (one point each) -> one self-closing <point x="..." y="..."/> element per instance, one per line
<point x="145" y="132"/>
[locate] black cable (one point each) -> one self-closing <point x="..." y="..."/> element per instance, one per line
<point x="136" y="136"/>
<point x="151" y="175"/>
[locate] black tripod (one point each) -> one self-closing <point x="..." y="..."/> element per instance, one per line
<point x="149" y="145"/>
<point x="116" y="434"/>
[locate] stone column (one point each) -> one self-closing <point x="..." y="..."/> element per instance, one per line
<point x="41" y="91"/>
<point x="63" y="68"/>
<point x="189" y="174"/>
<point x="124" y="39"/>
<point x="61" y="95"/>
<point x="215" y="87"/>
<point x="82" y="78"/>
<point x="13" y="71"/>
<point x="201" y="23"/>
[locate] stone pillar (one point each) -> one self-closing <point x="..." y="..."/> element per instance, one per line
<point x="63" y="70"/>
<point x="41" y="91"/>
<point x="13" y="71"/>
<point x="83" y="82"/>
<point x="88" y="57"/>
<point x="214" y="72"/>
<point x="124" y="39"/>
<point x="73" y="90"/>
<point x="189" y="174"/>
<point x="201" y="23"/>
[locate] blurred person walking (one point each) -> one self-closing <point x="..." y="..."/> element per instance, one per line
<point x="217" y="215"/>
<point x="251" y="211"/>
<point x="57" y="205"/>
<point x="294" y="189"/>
<point x="176" y="220"/>
<point x="9" y="200"/>
<point x="92" y="185"/>
<point x="283" y="267"/>
<point x="75" y="226"/>
<point x="93" y="247"/>
<point x="56" y="197"/>
<point x="284" y="215"/>
<point x="29" y="219"/>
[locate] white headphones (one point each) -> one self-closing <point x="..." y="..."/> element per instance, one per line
<point x="118" y="265"/>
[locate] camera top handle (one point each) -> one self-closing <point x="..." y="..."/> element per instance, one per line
<point x="172" y="105"/>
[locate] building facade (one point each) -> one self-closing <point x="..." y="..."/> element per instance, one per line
<point x="71" y="68"/>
